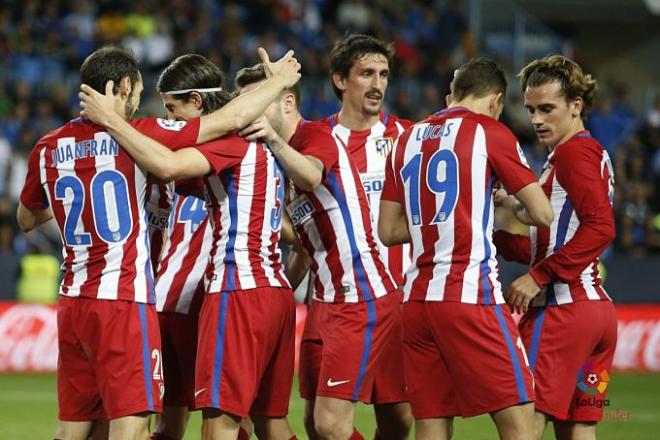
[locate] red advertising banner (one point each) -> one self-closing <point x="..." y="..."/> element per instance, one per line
<point x="28" y="337"/>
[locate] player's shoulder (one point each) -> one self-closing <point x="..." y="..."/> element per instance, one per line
<point x="311" y="130"/>
<point x="153" y="122"/>
<point x="393" y="121"/>
<point x="580" y="146"/>
<point x="78" y="128"/>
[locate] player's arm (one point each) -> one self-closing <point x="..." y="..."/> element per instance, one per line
<point x="288" y="233"/>
<point x="529" y="205"/>
<point x="28" y="219"/>
<point x="306" y="172"/>
<point x="296" y="265"/>
<point x="245" y="108"/>
<point x="392" y="224"/>
<point x="579" y="172"/>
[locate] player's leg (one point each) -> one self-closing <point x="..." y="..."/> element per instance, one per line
<point x="130" y="427"/>
<point x="566" y="430"/>
<point x="430" y="387"/>
<point x="333" y="418"/>
<point x="271" y="405"/>
<point x="393" y="414"/>
<point x="434" y="429"/>
<point x="218" y="425"/>
<point x="515" y="422"/>
<point x="72" y="430"/>
<point x="179" y="344"/>
<point x="246" y="429"/>
<point x="309" y="365"/>
<point x="171" y="423"/>
<point x="540" y="423"/>
<point x="393" y="420"/>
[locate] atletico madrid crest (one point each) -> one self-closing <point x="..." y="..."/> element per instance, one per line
<point x="384" y="146"/>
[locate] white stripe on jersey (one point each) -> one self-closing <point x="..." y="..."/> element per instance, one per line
<point x="244" y="189"/>
<point x="266" y="230"/>
<point x="109" y="282"/>
<point x="410" y="149"/>
<point x="143" y="268"/>
<point x="220" y="196"/>
<point x="80" y="253"/>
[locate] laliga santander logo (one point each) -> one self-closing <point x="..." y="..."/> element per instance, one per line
<point x="593" y="379"/>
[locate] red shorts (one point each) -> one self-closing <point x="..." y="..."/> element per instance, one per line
<point x="178" y="334"/>
<point x="110" y="363"/>
<point x="245" y="353"/>
<point x="354" y="337"/>
<point x="571" y="348"/>
<point x="311" y="347"/>
<point x="463" y="359"/>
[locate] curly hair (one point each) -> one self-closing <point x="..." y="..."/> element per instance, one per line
<point x="574" y="82"/>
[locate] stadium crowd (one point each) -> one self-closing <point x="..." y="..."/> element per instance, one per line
<point x="42" y="44"/>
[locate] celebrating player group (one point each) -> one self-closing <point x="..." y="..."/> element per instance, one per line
<point x="176" y="295"/>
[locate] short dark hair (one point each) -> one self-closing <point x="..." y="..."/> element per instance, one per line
<point x="478" y="77"/>
<point x="109" y="63"/>
<point x="574" y="82"/>
<point x="351" y="48"/>
<point x="255" y="74"/>
<point x="194" y="71"/>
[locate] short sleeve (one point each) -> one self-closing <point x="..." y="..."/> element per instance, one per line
<point x="316" y="142"/>
<point x="224" y="153"/>
<point x="33" y="195"/>
<point x="507" y="158"/>
<point x="173" y="134"/>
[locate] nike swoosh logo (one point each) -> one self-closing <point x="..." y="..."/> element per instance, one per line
<point x="198" y="392"/>
<point x="334" y="384"/>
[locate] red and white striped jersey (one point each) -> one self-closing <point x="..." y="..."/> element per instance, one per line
<point x="334" y="223"/>
<point x="368" y="150"/>
<point x="579" y="181"/>
<point x="98" y="196"/>
<point x="245" y="200"/>
<point x="180" y="283"/>
<point x="159" y="207"/>
<point x="442" y="171"/>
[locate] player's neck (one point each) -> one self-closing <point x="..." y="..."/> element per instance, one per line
<point x="475" y="105"/>
<point x="289" y="128"/>
<point x="356" y="120"/>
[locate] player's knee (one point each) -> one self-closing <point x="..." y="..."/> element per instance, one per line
<point x="329" y="426"/>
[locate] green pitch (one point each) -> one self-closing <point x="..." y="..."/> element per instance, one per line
<point x="28" y="411"/>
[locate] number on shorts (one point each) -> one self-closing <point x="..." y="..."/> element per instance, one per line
<point x="158" y="367"/>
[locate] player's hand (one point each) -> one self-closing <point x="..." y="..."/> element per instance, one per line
<point x="521" y="292"/>
<point x="286" y="68"/>
<point x="95" y="106"/>
<point x="259" y="129"/>
<point x="499" y="197"/>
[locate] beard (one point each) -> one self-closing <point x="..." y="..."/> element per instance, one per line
<point x="130" y="108"/>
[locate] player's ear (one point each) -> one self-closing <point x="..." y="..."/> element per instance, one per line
<point x="197" y="100"/>
<point x="288" y="103"/>
<point x="125" y="87"/>
<point x="576" y="106"/>
<point x="448" y="100"/>
<point x="339" y="81"/>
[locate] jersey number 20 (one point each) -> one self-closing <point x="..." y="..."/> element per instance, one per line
<point x="110" y="205"/>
